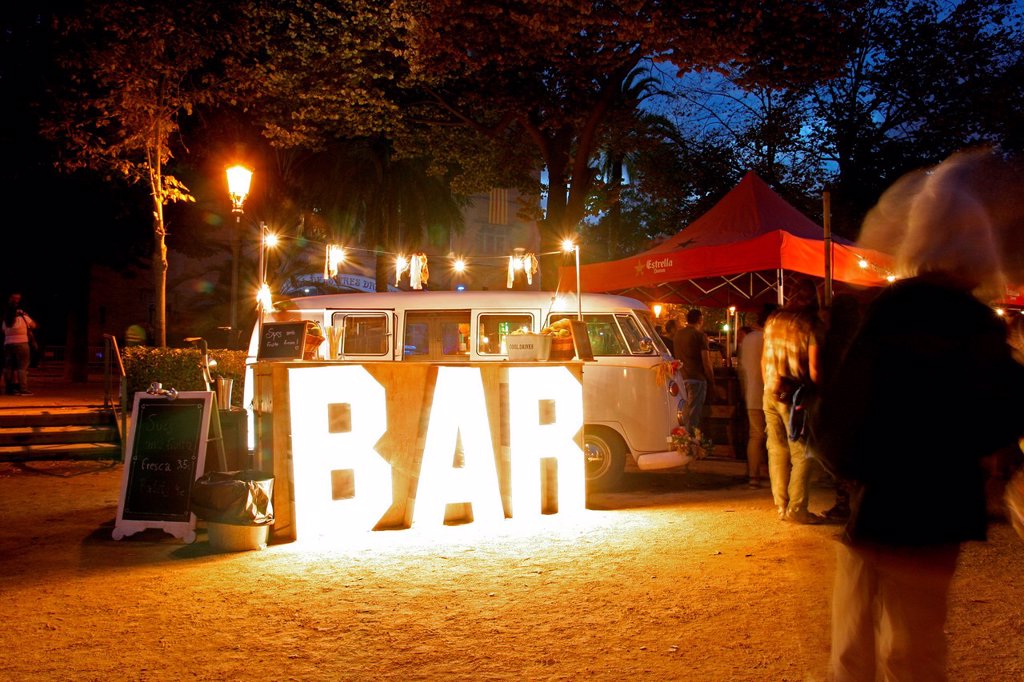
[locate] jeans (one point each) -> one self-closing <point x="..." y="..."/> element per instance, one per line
<point x="695" y="391"/>
<point x="788" y="461"/>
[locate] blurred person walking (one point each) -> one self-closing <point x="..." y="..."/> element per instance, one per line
<point x="750" y="351"/>
<point x="789" y="366"/>
<point x="690" y="346"/>
<point x="17" y="328"/>
<point x="842" y="320"/>
<point x="928" y="388"/>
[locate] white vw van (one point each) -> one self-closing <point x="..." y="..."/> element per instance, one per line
<point x="628" y="412"/>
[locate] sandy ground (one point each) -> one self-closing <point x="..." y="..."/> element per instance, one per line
<point x="682" y="577"/>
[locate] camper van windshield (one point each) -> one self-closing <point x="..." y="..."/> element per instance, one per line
<point x="651" y="333"/>
<point x="618" y="334"/>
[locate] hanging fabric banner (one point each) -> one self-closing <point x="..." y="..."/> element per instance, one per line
<point x="401" y="265"/>
<point x="418" y="273"/>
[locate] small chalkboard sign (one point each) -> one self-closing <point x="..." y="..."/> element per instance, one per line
<point x="282" y="340"/>
<point x="581" y="339"/>
<point x="166" y="454"/>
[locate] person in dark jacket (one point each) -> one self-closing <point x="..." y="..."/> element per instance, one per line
<point x="927" y="389"/>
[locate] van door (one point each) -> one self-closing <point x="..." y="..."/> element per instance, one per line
<point x="436" y="336"/>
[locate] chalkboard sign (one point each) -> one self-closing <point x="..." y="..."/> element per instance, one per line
<point x="282" y="340"/>
<point x="581" y="339"/>
<point x="166" y="453"/>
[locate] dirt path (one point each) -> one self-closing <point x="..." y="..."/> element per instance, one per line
<point x="677" y="578"/>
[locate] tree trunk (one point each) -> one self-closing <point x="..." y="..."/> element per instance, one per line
<point x="381" y="272"/>
<point x="159" y="275"/>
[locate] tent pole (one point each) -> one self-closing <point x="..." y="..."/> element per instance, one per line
<point x="826" y="200"/>
<point x="780" y="289"/>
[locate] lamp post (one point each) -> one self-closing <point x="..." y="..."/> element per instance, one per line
<point x="568" y="246"/>
<point x="239" y="179"/>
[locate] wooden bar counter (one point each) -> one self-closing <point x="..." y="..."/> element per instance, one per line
<point x="409" y="390"/>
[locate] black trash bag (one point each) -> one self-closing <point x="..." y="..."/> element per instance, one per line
<point x="240" y="498"/>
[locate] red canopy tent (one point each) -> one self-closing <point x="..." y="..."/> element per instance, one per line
<point x="738" y="253"/>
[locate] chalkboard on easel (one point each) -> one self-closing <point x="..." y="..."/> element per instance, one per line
<point x="166" y="453"/>
<point x="282" y="340"/>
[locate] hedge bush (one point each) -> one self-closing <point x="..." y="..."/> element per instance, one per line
<point x="179" y="368"/>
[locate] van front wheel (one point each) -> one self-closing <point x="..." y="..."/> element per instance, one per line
<point x="605" y="454"/>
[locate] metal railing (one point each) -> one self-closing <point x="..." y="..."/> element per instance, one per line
<point x="111" y="354"/>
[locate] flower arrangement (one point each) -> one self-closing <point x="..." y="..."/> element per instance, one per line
<point x="694" y="444"/>
<point x="665" y="371"/>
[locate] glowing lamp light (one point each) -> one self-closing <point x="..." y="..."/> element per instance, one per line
<point x="890" y="279"/>
<point x="401" y="262"/>
<point x="459" y="265"/>
<point x="568" y="245"/>
<point x="239" y="180"/>
<point x="726" y="327"/>
<point x="271" y="240"/>
<point x="863" y="263"/>
<point x="264" y="298"/>
<point x="1000" y="312"/>
<point x="732" y="310"/>
<point x="657" y="308"/>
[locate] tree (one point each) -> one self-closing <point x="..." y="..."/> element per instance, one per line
<point x="539" y="83"/>
<point x="57" y="225"/>
<point x="134" y="70"/>
<point x="925" y="78"/>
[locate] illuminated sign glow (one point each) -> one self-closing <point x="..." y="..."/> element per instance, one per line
<point x="325" y="450"/>
<point x="343" y="484"/>
<point x="459" y="410"/>
<point x="546" y="413"/>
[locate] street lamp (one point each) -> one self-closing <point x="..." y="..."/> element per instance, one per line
<point x="570" y="246"/>
<point x="239" y="179"/>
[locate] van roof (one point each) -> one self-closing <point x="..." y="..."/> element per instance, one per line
<point x="560" y="302"/>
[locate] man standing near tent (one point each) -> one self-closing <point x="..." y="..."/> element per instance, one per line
<point x="690" y="346"/>
<point x="790" y="365"/>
